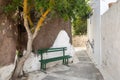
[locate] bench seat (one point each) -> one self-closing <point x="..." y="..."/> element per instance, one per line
<point x="55" y="59"/>
<point x="63" y="57"/>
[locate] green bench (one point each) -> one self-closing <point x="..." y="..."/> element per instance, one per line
<point x="63" y="57"/>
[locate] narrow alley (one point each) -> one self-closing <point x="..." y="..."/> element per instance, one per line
<point x="83" y="70"/>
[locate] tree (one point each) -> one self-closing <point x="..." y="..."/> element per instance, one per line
<point x="79" y="26"/>
<point x="66" y="9"/>
<point x="79" y="23"/>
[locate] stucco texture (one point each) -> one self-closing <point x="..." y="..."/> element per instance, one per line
<point x="8" y="37"/>
<point x="110" y="23"/>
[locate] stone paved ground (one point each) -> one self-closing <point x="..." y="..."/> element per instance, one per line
<point x="83" y="70"/>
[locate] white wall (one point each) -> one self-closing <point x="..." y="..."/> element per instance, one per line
<point x="94" y="28"/>
<point x="94" y="31"/>
<point x="7" y="71"/>
<point x="111" y="42"/>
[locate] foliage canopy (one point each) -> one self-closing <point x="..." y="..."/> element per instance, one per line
<point x="75" y="10"/>
<point x="67" y="9"/>
<point x="79" y="26"/>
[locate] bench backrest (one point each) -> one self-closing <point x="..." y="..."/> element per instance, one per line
<point x="41" y="51"/>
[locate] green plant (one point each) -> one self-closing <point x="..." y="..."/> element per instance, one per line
<point x="79" y="26"/>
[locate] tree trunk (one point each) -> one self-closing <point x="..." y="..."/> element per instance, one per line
<point x="31" y="37"/>
<point x="20" y="63"/>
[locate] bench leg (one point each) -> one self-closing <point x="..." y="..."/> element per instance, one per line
<point x="66" y="62"/>
<point x="63" y="61"/>
<point x="43" y="67"/>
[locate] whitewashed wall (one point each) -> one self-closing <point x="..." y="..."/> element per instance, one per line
<point x="94" y="32"/>
<point x="62" y="40"/>
<point x="111" y="42"/>
<point x="7" y="71"/>
<point x="94" y="29"/>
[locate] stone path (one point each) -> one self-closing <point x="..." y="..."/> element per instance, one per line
<point x="83" y="70"/>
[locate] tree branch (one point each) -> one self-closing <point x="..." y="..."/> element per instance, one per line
<point x="40" y="22"/>
<point x="30" y="21"/>
<point x="25" y="12"/>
